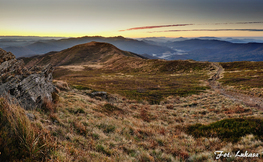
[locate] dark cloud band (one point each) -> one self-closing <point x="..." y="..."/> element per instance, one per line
<point x="252" y="30"/>
<point x="177" y="25"/>
<point x="152" y="27"/>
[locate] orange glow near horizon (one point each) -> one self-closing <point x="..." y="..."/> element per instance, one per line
<point x="140" y="34"/>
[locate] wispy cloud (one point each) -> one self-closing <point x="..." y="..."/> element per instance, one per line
<point x="230" y="23"/>
<point x="252" y="30"/>
<point x="158" y="26"/>
<point x="177" y="25"/>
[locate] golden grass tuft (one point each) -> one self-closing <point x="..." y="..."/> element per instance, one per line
<point x="19" y="138"/>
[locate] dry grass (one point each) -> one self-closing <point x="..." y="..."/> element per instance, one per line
<point x="91" y="130"/>
<point x="120" y="128"/>
<point x="151" y="81"/>
<point x="19" y="138"/>
<point x="244" y="77"/>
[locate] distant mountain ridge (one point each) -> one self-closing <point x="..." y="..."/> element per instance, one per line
<point x="126" y="44"/>
<point x="200" y="49"/>
<point x="218" y="51"/>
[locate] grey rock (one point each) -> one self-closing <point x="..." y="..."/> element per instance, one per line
<point x="31" y="116"/>
<point x="27" y="87"/>
<point x="101" y="94"/>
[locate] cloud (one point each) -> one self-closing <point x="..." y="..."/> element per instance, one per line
<point x="176" y="25"/>
<point x="255" y="22"/>
<point x="152" y="27"/>
<point x="252" y="30"/>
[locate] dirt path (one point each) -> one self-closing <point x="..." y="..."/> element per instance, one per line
<point x="239" y="97"/>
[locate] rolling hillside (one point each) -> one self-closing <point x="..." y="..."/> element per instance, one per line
<point x="81" y="54"/>
<point x="113" y="105"/>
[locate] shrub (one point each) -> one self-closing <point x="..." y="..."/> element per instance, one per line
<point x="230" y="130"/>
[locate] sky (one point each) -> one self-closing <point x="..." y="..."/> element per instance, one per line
<point x="132" y="18"/>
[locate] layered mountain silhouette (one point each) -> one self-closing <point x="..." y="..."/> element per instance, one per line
<point x="220" y="51"/>
<point x="93" y="52"/>
<point x="45" y="46"/>
<point x="201" y="49"/>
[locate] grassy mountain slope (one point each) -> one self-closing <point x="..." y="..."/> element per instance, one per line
<point x="103" y="67"/>
<point x="81" y="54"/>
<point x="154" y="110"/>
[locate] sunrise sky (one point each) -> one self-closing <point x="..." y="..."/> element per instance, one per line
<point x="132" y="18"/>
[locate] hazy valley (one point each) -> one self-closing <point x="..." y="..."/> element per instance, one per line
<point x="199" y="49"/>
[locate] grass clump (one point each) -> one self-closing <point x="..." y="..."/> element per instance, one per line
<point x="19" y="139"/>
<point x="48" y="106"/>
<point x="107" y="128"/>
<point x="79" y="111"/>
<point x="102" y="149"/>
<point x="110" y="108"/>
<point x="80" y="128"/>
<point x="230" y="130"/>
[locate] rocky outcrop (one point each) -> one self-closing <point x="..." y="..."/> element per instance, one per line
<point x="27" y="87"/>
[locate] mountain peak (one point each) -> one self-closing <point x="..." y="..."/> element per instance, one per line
<point x="86" y="53"/>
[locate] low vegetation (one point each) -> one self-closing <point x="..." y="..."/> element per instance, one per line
<point x="229" y="129"/>
<point x="152" y="112"/>
<point x="242" y="65"/>
<point x="120" y="129"/>
<point x="180" y="78"/>
<point x="245" y="76"/>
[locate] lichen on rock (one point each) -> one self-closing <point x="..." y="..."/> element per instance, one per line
<point x="27" y="87"/>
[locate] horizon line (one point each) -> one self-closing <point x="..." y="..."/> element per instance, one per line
<point x="128" y="37"/>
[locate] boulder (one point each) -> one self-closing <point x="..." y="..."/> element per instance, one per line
<point x="27" y="87"/>
<point x="103" y="95"/>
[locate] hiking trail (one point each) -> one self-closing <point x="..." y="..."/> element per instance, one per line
<point x="248" y="100"/>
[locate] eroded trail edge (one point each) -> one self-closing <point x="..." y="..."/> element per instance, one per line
<point x="239" y="97"/>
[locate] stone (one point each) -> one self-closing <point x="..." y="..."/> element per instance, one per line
<point x="103" y="95"/>
<point x="27" y="87"/>
<point x="31" y="116"/>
